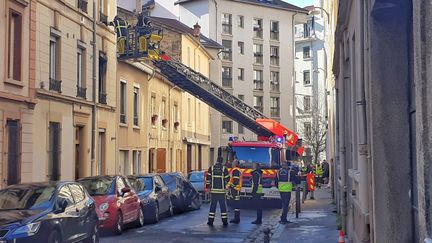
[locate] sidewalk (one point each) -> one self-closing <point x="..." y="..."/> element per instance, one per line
<point x="316" y="222"/>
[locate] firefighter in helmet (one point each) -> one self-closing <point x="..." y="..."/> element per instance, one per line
<point x="216" y="181"/>
<point x="235" y="185"/>
<point x="120" y="26"/>
<point x="257" y="191"/>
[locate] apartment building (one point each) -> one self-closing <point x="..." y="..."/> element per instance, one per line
<point x="17" y="90"/>
<point x="75" y="120"/>
<point x="310" y="79"/>
<point x="257" y="61"/>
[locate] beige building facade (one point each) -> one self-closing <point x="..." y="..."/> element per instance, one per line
<point x="75" y="119"/>
<point x="17" y="94"/>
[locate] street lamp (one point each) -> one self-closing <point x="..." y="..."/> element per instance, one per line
<point x="315" y="11"/>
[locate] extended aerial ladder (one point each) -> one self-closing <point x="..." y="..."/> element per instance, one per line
<point x="147" y="46"/>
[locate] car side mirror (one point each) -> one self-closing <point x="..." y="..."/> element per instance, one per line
<point x="125" y="190"/>
<point x="62" y="205"/>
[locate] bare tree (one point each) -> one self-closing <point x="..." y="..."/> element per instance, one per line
<point x="314" y="127"/>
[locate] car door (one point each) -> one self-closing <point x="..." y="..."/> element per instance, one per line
<point x="69" y="218"/>
<point x="83" y="227"/>
<point x="132" y="199"/>
<point x="163" y="195"/>
<point x="122" y="200"/>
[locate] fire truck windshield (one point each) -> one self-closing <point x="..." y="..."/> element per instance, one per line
<point x="267" y="157"/>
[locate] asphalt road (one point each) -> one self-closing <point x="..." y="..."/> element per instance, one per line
<point x="191" y="227"/>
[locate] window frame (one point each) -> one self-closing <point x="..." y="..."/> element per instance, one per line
<point x="257" y="28"/>
<point x="274" y="57"/>
<point x="258" y="105"/>
<point x="226" y="23"/>
<point x="258" y="51"/>
<point x="306" y="54"/>
<point x="274" y="34"/>
<point x="240" y="74"/>
<point x="240" y="21"/>
<point x="274" y="83"/>
<point x="14" y="58"/>
<point x="308" y="82"/>
<point x="136" y="105"/>
<point x="225" y="78"/>
<point x="227" y="131"/>
<point x="240" y="45"/>
<point x="227" y="51"/>
<point x="258" y="79"/>
<point x="123" y="102"/>
<point x="275" y="110"/>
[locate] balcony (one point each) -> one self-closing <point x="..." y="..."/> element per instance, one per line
<point x="258" y="85"/>
<point x="103" y="98"/>
<point x="55" y="85"/>
<point x="226" y="81"/>
<point x="123" y="118"/>
<point x="103" y="18"/>
<point x="82" y="4"/>
<point x="81" y="92"/>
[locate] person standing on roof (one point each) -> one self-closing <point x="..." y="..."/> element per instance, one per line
<point x="216" y="181"/>
<point x="257" y="191"/>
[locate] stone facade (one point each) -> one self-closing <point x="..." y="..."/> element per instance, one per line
<point x="17" y="97"/>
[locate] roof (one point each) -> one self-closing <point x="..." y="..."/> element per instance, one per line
<point x="267" y="3"/>
<point x="175" y="24"/>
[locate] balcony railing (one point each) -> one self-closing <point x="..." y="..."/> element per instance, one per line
<point x="274" y="35"/>
<point x="102" y="98"/>
<point x="227" y="81"/>
<point x="55" y="85"/>
<point x="274" y="86"/>
<point x="258" y="58"/>
<point x="122" y="118"/>
<point x="274" y="112"/>
<point x="81" y="92"/>
<point x="135" y="120"/>
<point x="258" y="32"/>
<point x="258" y="85"/>
<point x="103" y="18"/>
<point x="227" y="29"/>
<point x="82" y="4"/>
<point x="226" y="55"/>
<point x="274" y="60"/>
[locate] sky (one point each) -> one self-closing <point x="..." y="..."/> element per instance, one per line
<point x="301" y="3"/>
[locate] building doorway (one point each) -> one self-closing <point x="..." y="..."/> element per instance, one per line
<point x="13" y="152"/>
<point x="199" y="157"/>
<point x="161" y="160"/>
<point x="79" y="153"/>
<point x="189" y="158"/>
<point x="54" y="151"/>
<point x="151" y="160"/>
<point x="101" y="153"/>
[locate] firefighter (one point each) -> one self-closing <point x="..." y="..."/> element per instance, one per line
<point x="286" y="179"/>
<point x="143" y="31"/>
<point x="120" y="26"/>
<point x="257" y="191"/>
<point x="235" y="185"/>
<point x="216" y="181"/>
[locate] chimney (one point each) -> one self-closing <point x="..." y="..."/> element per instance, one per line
<point x="197" y="30"/>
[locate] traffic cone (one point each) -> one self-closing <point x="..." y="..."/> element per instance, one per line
<point x="341" y="236"/>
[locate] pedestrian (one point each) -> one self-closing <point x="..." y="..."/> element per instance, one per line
<point x="326" y="171"/>
<point x="216" y="181"/>
<point x="286" y="180"/>
<point x="235" y="185"/>
<point x="257" y="191"/>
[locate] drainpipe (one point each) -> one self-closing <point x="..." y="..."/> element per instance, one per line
<point x="170" y="133"/>
<point x="293" y="72"/>
<point x="342" y="150"/>
<point x="93" y="135"/>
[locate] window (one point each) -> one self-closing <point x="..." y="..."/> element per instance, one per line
<point x="163" y="116"/>
<point x="274" y="81"/>
<point x="124" y="163"/>
<point x="241" y="47"/>
<point x="226" y="127"/>
<point x="122" y="101"/>
<point x="54" y="151"/>
<point x="65" y="195"/>
<point x="77" y="192"/>
<point x="306" y="77"/>
<point x="258" y="53"/>
<point x="307" y="129"/>
<point x="136" y="106"/>
<point x="14" y="46"/>
<point x="136" y="162"/>
<point x="189" y="56"/>
<point x="241" y="97"/>
<point x="241" y="74"/>
<point x="81" y="90"/>
<point x="189" y="112"/>
<point x="274" y="107"/>
<point x="102" y="78"/>
<point x="82" y="5"/>
<point x="153" y="109"/>
<point x="306" y="52"/>
<point x="101" y="152"/>
<point x="226" y="77"/>
<point x="258" y="79"/>
<point x="258" y="28"/>
<point x="258" y="103"/>
<point x="274" y="55"/>
<point x="306" y="103"/>
<point x="274" y="30"/>
<point x="13" y="152"/>
<point x="175" y="117"/>
<point x="54" y="61"/>
<point x="226" y="23"/>
<point x="240" y="129"/>
<point x="227" y="52"/>
<point x="309" y="28"/>
<point x="102" y="16"/>
<point x="240" y="21"/>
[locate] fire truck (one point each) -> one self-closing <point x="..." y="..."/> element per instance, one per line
<point x="274" y="143"/>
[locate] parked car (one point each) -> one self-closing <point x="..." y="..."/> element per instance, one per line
<point x="183" y="195"/>
<point x="47" y="212"/>
<point x="117" y="204"/>
<point x="154" y="196"/>
<point x="196" y="178"/>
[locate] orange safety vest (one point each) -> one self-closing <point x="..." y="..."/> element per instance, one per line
<point x="231" y="181"/>
<point x="310" y="182"/>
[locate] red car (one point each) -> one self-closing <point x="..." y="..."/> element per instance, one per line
<point x="116" y="201"/>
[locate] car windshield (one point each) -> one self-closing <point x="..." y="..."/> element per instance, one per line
<point x="170" y="181"/>
<point x="196" y="177"/>
<point x="32" y="197"/>
<point x="98" y="186"/>
<point x="142" y="183"/>
<point x="260" y="155"/>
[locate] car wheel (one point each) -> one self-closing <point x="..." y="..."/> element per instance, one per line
<point x="94" y="238"/>
<point x="140" y="219"/>
<point x="54" y="237"/>
<point x="118" y="230"/>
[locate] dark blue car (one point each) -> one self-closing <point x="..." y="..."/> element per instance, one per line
<point x="154" y="196"/>
<point x="47" y="212"/>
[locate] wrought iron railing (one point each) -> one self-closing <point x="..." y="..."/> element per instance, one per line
<point x="55" y="85"/>
<point x="81" y="92"/>
<point x="102" y="98"/>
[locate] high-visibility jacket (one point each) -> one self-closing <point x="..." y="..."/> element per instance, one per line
<point x="120" y="26"/>
<point x="217" y="178"/>
<point x="236" y="179"/>
<point x="318" y="170"/>
<point x="310" y="181"/>
<point x="256" y="181"/>
<point x="284" y="180"/>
